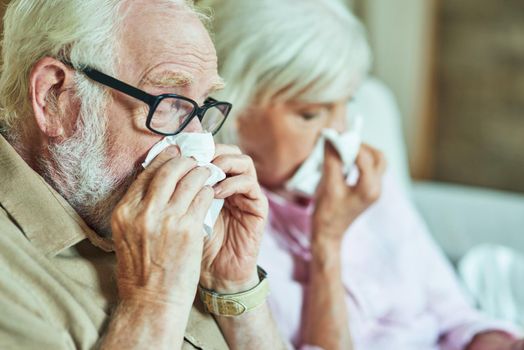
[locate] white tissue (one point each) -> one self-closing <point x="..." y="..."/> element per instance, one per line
<point x="307" y="177"/>
<point x="201" y="147"/>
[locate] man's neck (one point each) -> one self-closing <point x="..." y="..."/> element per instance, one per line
<point x="27" y="145"/>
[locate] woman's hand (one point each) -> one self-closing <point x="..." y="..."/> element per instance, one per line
<point x="338" y="204"/>
<point x="230" y="255"/>
<point x="495" y="340"/>
<point x="325" y="322"/>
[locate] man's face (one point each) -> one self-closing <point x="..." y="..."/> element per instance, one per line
<point x="164" y="49"/>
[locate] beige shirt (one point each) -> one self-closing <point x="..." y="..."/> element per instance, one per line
<point x="57" y="286"/>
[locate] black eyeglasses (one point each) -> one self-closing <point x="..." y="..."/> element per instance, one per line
<point x="169" y="114"/>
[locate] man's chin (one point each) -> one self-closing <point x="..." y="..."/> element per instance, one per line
<point x="98" y="215"/>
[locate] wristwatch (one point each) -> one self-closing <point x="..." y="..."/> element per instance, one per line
<point x="231" y="305"/>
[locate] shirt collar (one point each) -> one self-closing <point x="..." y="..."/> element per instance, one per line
<point x="44" y="216"/>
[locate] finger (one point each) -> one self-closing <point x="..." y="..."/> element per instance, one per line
<point x="221" y="149"/>
<point x="145" y="176"/>
<point x="165" y="181"/>
<point x="243" y="193"/>
<point x="235" y="164"/>
<point x="379" y="160"/>
<point x="369" y="184"/>
<point x="381" y="163"/>
<point x="201" y="204"/>
<point x="333" y="172"/>
<point x="187" y="189"/>
<point x="241" y="184"/>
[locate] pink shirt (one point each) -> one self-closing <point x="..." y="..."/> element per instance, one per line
<point x="401" y="292"/>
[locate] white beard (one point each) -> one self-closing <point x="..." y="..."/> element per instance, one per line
<point x="79" y="169"/>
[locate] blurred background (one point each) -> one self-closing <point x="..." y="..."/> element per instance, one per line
<point x="453" y="115"/>
<point x="457" y="70"/>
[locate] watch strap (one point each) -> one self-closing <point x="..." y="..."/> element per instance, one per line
<point x="232" y="305"/>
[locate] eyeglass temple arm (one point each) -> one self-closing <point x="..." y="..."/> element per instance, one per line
<point x="118" y="85"/>
<point x="111" y="82"/>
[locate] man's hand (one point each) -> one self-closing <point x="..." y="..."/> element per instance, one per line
<point x="495" y="340"/>
<point x="157" y="230"/>
<point x="230" y="254"/>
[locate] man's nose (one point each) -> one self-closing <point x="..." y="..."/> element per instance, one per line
<point x="194" y="126"/>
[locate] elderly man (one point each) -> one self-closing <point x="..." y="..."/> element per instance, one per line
<point x="72" y="190"/>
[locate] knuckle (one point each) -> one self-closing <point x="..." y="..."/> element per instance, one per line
<point x="336" y="193"/>
<point x="187" y="162"/>
<point x="184" y="185"/>
<point x="145" y="222"/>
<point x="235" y="149"/>
<point x="208" y="192"/>
<point x="371" y="195"/>
<point x="121" y="213"/>
<point x="166" y="169"/>
<point x="169" y="153"/>
<point x="203" y="171"/>
<point x="247" y="159"/>
<point x="380" y="155"/>
<point x="181" y="226"/>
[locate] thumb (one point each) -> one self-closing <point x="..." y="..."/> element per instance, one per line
<point x="147" y="174"/>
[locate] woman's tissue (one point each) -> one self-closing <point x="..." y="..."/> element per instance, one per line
<point x="306" y="179"/>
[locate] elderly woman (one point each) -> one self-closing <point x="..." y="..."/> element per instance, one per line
<point x="342" y="261"/>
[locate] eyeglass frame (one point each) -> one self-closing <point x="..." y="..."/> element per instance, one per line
<point x="153" y="101"/>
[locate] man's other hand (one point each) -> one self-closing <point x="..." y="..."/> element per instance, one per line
<point x="230" y="254"/>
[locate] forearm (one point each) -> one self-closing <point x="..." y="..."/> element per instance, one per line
<point x="325" y="320"/>
<point x="253" y="330"/>
<point x="146" y="325"/>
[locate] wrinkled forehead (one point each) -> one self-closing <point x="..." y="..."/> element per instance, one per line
<point x="160" y="34"/>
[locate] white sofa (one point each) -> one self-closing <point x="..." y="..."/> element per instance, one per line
<point x="459" y="217"/>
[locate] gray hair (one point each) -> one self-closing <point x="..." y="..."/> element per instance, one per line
<point x="82" y="32"/>
<point x="311" y="51"/>
<point x="77" y="31"/>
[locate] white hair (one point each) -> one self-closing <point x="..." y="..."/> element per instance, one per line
<point x="79" y="32"/>
<point x="312" y="51"/>
<point x="78" y="167"/>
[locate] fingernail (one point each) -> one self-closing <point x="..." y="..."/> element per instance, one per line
<point x="172" y="150"/>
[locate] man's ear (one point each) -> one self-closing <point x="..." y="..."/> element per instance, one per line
<point x="50" y="84"/>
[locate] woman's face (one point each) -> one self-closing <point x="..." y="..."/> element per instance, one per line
<point x="281" y="136"/>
